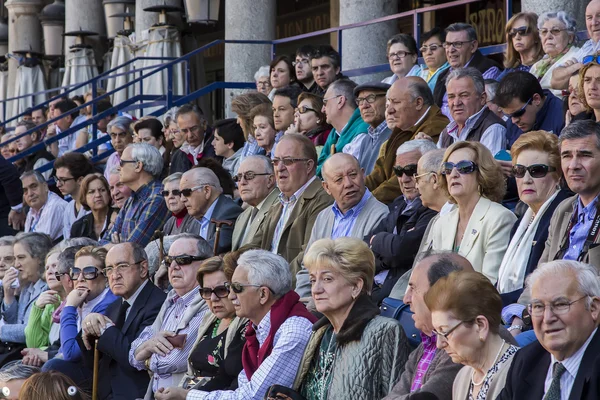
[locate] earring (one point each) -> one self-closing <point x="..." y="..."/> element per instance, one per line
<point x="480" y="339"/>
<point x="318" y="121"/>
<point x="479" y="189"/>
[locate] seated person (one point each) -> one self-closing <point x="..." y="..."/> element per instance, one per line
<point x="228" y="143"/>
<point x="264" y="128"/>
<point x="150" y="130"/>
<point x="12" y="377"/>
<point x="121" y="136"/>
<point x="63" y="108"/>
<point x="119" y="192"/>
<point x="180" y="220"/>
<point x="46" y="209"/>
<point x="54" y="386"/>
<point x="94" y="197"/>
<point x="37" y="159"/>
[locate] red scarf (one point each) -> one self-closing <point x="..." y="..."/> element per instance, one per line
<point x="284" y="308"/>
<point x="180" y="216"/>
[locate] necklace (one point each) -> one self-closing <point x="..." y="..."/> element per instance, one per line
<point x="216" y="328"/>
<point x="494" y="363"/>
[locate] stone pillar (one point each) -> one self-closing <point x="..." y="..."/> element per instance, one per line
<point x="575" y="7"/>
<point x="144" y="20"/>
<point x="247" y="20"/>
<point x="355" y="54"/>
<point x="87" y="15"/>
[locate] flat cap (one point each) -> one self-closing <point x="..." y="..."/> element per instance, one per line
<point x="371" y="86"/>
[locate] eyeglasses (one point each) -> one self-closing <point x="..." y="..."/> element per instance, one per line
<point x="188" y="192"/>
<point x="330" y="98"/>
<point x="553" y="31"/>
<point x="521" y="31"/>
<point x="304" y="61"/>
<point x="89" y="273"/>
<point x="589" y="59"/>
<point x="58" y="275"/>
<point x="558" y="307"/>
<point x="287" y="161"/>
<point x="108" y="271"/>
<point x="463" y="167"/>
<point x="409" y="170"/>
<point x="535" y="170"/>
<point x="520" y="111"/>
<point x="62" y="181"/>
<point x="175" y="192"/>
<point x="263" y="84"/>
<point x="239" y="287"/>
<point x="456" y="45"/>
<point x="219" y="291"/>
<point x="369" y="99"/>
<point x="193" y="129"/>
<point x="182" y="259"/>
<point x="445" y="335"/>
<point x="305" y="109"/>
<point x="123" y="162"/>
<point x="398" y="54"/>
<point x="248" y="176"/>
<point x="417" y="177"/>
<point x="432" y="47"/>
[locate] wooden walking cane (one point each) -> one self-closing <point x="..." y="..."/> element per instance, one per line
<point x="95" y="376"/>
<point x="218" y="223"/>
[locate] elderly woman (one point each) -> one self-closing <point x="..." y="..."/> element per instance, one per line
<point x="180" y="221"/>
<point x="434" y="56"/>
<point x="95" y="197"/>
<point x="121" y="135"/>
<point x="310" y="121"/>
<point x="283" y="74"/>
<point x="262" y="77"/>
<point x="402" y="55"/>
<point x="589" y="86"/>
<point x="479" y="227"/>
<point x="523" y="43"/>
<point x="264" y="128"/>
<point x="576" y="109"/>
<point x="352" y="349"/>
<point x="557" y="32"/>
<point x="467" y="328"/>
<point x="30" y="250"/>
<point x="242" y="105"/>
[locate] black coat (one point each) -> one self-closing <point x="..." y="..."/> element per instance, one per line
<point x="84" y="227"/>
<point x="11" y="194"/>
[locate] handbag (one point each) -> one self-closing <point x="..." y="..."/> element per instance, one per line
<point x="396" y="309"/>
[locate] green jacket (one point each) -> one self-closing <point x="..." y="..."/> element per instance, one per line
<point x="37" y="331"/>
<point x="353" y="128"/>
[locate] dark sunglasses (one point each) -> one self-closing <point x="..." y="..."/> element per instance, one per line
<point x="58" y="275"/>
<point x="89" y="273"/>
<point x="409" y="170"/>
<point x="248" y="176"/>
<point x="182" y="260"/>
<point x="123" y="162"/>
<point x="239" y="287"/>
<point x="463" y="167"/>
<point x="520" y="111"/>
<point x="166" y="193"/>
<point x="589" y="59"/>
<point x="521" y="31"/>
<point x="535" y="170"/>
<point x="219" y="291"/>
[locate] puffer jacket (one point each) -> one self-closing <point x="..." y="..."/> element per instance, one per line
<point x="370" y="356"/>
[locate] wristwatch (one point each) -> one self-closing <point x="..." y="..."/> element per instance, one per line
<point x="515" y="327"/>
<point x="526" y="317"/>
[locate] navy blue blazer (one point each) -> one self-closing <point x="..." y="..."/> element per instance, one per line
<point x="118" y="380"/>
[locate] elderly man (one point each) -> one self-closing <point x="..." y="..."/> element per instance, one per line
<point x="45" y="207"/>
<point x="339" y="105"/>
<point x="119" y="192"/>
<point x="304" y="75"/>
<point x="564" y="311"/>
<point x="256" y="184"/>
<point x="261" y="290"/>
<point x="178" y="320"/>
<point x="198" y="140"/>
<point x="472" y="120"/>
<point x="287" y="226"/>
<point x="7" y="257"/>
<point x="462" y="51"/>
<point x="354" y="213"/>
<point x="12" y="376"/>
<point x="145" y="211"/>
<point x="370" y="98"/>
<point x="125" y="319"/>
<point x="325" y="64"/>
<point x="395" y="241"/>
<point x="410" y="110"/>
<point x="40" y="157"/>
<point x="204" y="199"/>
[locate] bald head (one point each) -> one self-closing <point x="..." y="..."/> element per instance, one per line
<point x="592" y="20"/>
<point x="337" y="161"/>
<point x="202" y="176"/>
<point x="408" y="100"/>
<point x="442" y="264"/>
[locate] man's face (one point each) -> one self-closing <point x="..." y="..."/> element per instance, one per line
<point x="28" y="266"/>
<point x="344" y="181"/>
<point x="192" y="127"/>
<point x="303" y="69"/>
<point x="65" y="181"/>
<point x="323" y="71"/>
<point x="418" y="285"/>
<point x="118" y="191"/>
<point x="331" y="105"/>
<point x="426" y="185"/>
<point x="459" y="57"/>
<point x="283" y="113"/>
<point x="145" y="136"/>
<point x="127" y="273"/>
<point x="407" y="183"/>
<point x="38" y="117"/>
<point x="292" y="177"/>
<point x="199" y="201"/>
<point x="34" y="193"/>
<point x="254" y="191"/>
<point x="592" y="20"/>
<point x="65" y="122"/>
<point x="525" y="121"/>
<point x="7" y="259"/>
<point x="24" y="142"/>
<point x="120" y="139"/>
<point x="580" y="161"/>
<point x="463" y="99"/>
<point x="372" y="113"/>
<point x="247" y="302"/>
<point x="130" y="171"/>
<point x="401" y="110"/>
<point x="103" y="123"/>
<point x="183" y="277"/>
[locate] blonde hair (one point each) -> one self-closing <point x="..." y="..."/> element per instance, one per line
<point x="97" y="252"/>
<point x="512" y="58"/>
<point x="542" y="141"/>
<point x="242" y="104"/>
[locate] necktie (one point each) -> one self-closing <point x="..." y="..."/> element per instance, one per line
<point x="553" y="392"/>
<point x="122" y="313"/>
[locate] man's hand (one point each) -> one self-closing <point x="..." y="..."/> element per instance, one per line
<point x="158" y="344"/>
<point x="506" y="168"/>
<point x="422" y="135"/>
<point x="171" y="393"/>
<point x="48" y="297"/>
<point x="77" y="297"/>
<point x="34" y="357"/>
<point x="16" y="219"/>
<point x="161" y="277"/>
<point x="115" y="237"/>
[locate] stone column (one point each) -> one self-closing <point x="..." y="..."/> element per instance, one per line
<point x="144" y="20"/>
<point x="87" y="15"/>
<point x="575" y="7"/>
<point x="247" y="20"/>
<point x="366" y="46"/>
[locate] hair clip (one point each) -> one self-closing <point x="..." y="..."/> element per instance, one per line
<point x="72" y="390"/>
<point x="5" y="391"/>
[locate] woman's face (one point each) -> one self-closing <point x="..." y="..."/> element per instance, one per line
<point x="220" y="307"/>
<point x="462" y="187"/>
<point x="433" y="58"/>
<point x="51" y="268"/>
<point x="400" y="66"/>
<point x="120" y="139"/>
<point x="97" y="196"/>
<point x="264" y="132"/>
<point x="96" y="285"/>
<point x="462" y="344"/>
<point x="280" y="75"/>
<point x="535" y="191"/>
<point x="330" y="290"/>
<point x="591" y="86"/>
<point x="554" y="44"/>
<point x="178" y="137"/>
<point x="525" y="42"/>
<point x="575" y="104"/>
<point x="307" y="121"/>
<point x="174" y="203"/>
<point x="29" y="267"/>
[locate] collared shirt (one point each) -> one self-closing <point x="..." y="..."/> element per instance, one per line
<point x="580" y="231"/>
<point x="494" y="137"/>
<point x="49" y="218"/>
<point x="70" y="217"/>
<point x="429" y="349"/>
<point x="279" y="367"/>
<point x="588" y="48"/>
<point x="343" y="223"/>
<point x="205" y="221"/>
<point x="572" y="365"/>
<point x="253" y="215"/>
<point x="175" y="362"/>
<point x="365" y="147"/>
<point x="287" y="208"/>
<point x="67" y="143"/>
<point x="142" y="214"/>
<point x="414" y="71"/>
<point x="194" y="151"/>
<point x="278" y="137"/>
<point x="431" y="77"/>
<point x="132" y="299"/>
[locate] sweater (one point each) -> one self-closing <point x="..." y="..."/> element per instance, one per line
<point x="37" y="332"/>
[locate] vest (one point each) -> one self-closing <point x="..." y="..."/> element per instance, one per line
<point x="485" y="120"/>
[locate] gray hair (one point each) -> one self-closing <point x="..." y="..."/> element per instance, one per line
<point x="468" y="72"/>
<point x="563" y="17"/>
<point x="586" y="275"/>
<point x="6" y="137"/>
<point x="432" y="160"/>
<point x="202" y="246"/>
<point x="580" y="130"/>
<point x="420" y="145"/>
<point x="262" y="71"/>
<point x="66" y="259"/>
<point x="17" y="370"/>
<point x="345" y="87"/>
<point x="27" y="124"/>
<point x="268" y="269"/>
<point x="37" y="244"/>
<point x="491" y="85"/>
<point x="114" y="171"/>
<point x="189" y="108"/>
<point x="169" y="116"/>
<point x="175" y="177"/>
<point x="417" y="87"/>
<point x="204" y="176"/>
<point x="152" y="252"/>
<point x="80" y="241"/>
<point x="265" y="160"/>
<point x="38" y="177"/>
<point x="443" y="266"/>
<point x="122" y="123"/>
<point x="149" y="156"/>
<point x="460" y="26"/>
<point x="7" y="241"/>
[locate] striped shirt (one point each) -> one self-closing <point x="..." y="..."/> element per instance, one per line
<point x="429" y="348"/>
<point x="343" y="223"/>
<point x="280" y="367"/>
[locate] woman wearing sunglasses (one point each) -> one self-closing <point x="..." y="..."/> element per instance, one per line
<point x="523" y="44"/>
<point x="180" y="221"/>
<point x="94" y="196"/>
<point x="310" y="121"/>
<point x="479" y="227"/>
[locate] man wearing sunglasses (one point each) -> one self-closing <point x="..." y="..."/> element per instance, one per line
<point x="256" y="184"/>
<point x="203" y="197"/>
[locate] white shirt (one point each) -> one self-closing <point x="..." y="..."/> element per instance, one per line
<point x="49" y="219"/>
<point x="494" y="137"/>
<point x="132" y="299"/>
<point x="588" y="48"/>
<point x="69" y="218"/>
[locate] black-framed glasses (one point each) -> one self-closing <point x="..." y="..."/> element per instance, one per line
<point x="182" y="260"/>
<point x="249" y="175"/>
<point x="123" y="162"/>
<point x="589" y="59"/>
<point x="175" y="192"/>
<point x="408" y="170"/>
<point x="433" y="47"/>
<point x="188" y="191"/>
<point x="287" y="161"/>
<point x="89" y="273"/>
<point x="558" y="307"/>
<point x="520" y="111"/>
<point x="109" y="270"/>
<point x="463" y="167"/>
<point x="456" y="45"/>
<point x="521" y="31"/>
<point x="58" y="275"/>
<point x="220" y="291"/>
<point x="447" y="334"/>
<point x="239" y="287"/>
<point x="535" y="170"/>
<point x="399" y="54"/>
<point x="369" y="99"/>
<point x="305" y="109"/>
<point x="304" y="61"/>
<point x="554" y="31"/>
<point x="62" y="181"/>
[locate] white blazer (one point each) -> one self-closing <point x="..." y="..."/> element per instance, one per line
<point x="486" y="237"/>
